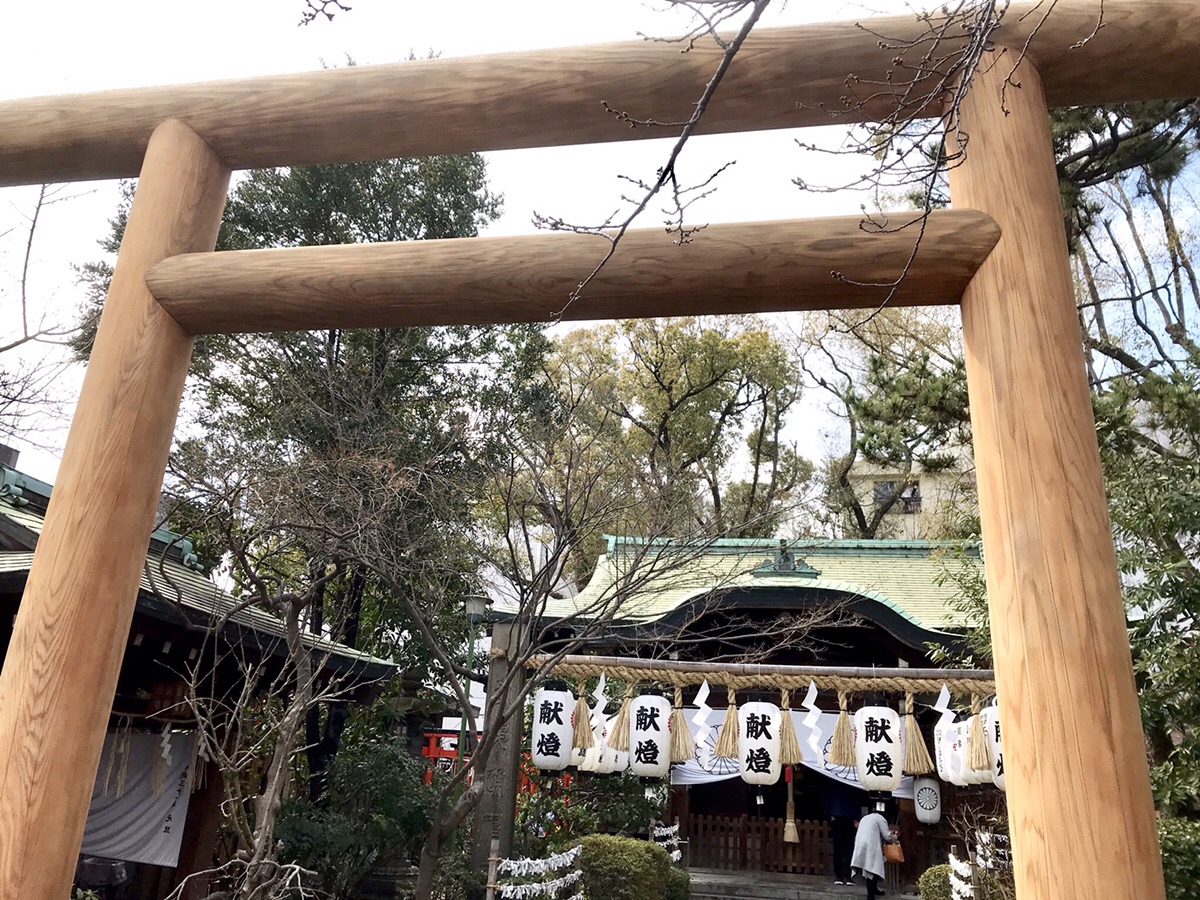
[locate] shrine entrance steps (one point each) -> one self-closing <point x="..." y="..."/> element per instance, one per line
<point x="708" y="884"/>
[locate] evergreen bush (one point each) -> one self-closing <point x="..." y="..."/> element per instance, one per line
<point x="1180" y="843"/>
<point x="679" y="885"/>
<point x="934" y="883"/>
<point x="620" y="868"/>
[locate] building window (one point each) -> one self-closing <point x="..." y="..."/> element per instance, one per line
<point x="884" y="492"/>
<point x="909" y="501"/>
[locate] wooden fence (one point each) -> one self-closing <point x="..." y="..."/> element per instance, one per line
<point x="756" y="844"/>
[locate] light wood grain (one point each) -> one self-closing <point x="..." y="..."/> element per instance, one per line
<point x="754" y="267"/>
<point x="57" y="684"/>
<point x="1080" y="809"/>
<point x="784" y="77"/>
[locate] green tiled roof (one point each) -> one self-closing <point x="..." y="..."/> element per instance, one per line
<point x="174" y="583"/>
<point x="901" y="575"/>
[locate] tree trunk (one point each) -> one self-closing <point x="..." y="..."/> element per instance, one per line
<point x="446" y="822"/>
<point x="260" y="867"/>
<point x="323" y="742"/>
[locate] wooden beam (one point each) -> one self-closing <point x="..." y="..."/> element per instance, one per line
<point x="756" y="267"/>
<point x="784" y="77"/>
<point x="58" y="680"/>
<point x="1074" y="750"/>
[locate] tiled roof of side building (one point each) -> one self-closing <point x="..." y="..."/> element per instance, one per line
<point x="170" y="582"/>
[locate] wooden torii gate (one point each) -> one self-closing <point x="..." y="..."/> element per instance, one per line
<point x="1082" y="820"/>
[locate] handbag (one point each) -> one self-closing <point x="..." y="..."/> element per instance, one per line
<point x="893" y="853"/>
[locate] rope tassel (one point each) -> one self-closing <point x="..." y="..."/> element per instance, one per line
<point x="619" y="739"/>
<point x="977" y="755"/>
<point x="790" y="753"/>
<point x="582" y="721"/>
<point x="841" y="750"/>
<point x="791" y="835"/>
<point x="683" y="747"/>
<point x="916" y="754"/>
<point x="727" y="740"/>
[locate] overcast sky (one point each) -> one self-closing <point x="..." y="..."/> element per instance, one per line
<point x="62" y="46"/>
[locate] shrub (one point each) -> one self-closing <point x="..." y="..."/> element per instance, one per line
<point x="934" y="884"/>
<point x="376" y="815"/>
<point x="620" y="868"/>
<point x="551" y="818"/>
<point x="1180" y="843"/>
<point x="679" y="885"/>
<point x="456" y="878"/>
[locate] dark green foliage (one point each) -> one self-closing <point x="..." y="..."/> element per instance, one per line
<point x="619" y="802"/>
<point x="934" y="883"/>
<point x="551" y="818"/>
<point x="1180" y="843"/>
<point x="1093" y="145"/>
<point x="973" y="649"/>
<point x="621" y="868"/>
<point x="1149" y="430"/>
<point x="456" y="878"/>
<point x="912" y="410"/>
<point x="679" y="884"/>
<point x="556" y="816"/>
<point x="376" y="814"/>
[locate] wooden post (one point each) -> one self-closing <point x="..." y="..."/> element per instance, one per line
<point x="493" y="869"/>
<point x="1080" y="809"/>
<point x="60" y="674"/>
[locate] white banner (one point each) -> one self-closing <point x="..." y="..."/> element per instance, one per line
<point x="706" y="768"/>
<point x="139" y="826"/>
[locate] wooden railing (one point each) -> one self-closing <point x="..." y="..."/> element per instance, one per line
<point x="755" y="844"/>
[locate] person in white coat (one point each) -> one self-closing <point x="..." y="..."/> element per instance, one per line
<point x="867" y="861"/>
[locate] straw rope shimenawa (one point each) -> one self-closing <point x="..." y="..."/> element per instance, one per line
<point x="841" y="747"/>
<point x="790" y="753"/>
<point x="977" y="753"/>
<point x="746" y="676"/>
<point x="619" y="740"/>
<point x="916" y="754"/>
<point x="727" y="740"/>
<point x="683" y="747"/>
<point x="581" y="720"/>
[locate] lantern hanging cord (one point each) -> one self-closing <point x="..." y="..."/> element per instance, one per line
<point x="743" y="677"/>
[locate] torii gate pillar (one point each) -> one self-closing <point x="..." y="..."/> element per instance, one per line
<point x="1080" y="808"/>
<point x="61" y="670"/>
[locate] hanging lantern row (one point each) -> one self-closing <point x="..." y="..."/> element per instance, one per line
<point x="645" y="721"/>
<point x="954" y="752"/>
<point x="967" y="752"/>
<point x="649" y="734"/>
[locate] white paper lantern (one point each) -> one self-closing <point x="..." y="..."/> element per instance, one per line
<point x="650" y="736"/>
<point x="758" y="742"/>
<point x="927" y="797"/>
<point x="990" y="718"/>
<point x="587" y="760"/>
<point x="964" y="773"/>
<point x="948" y="752"/>
<point x="552" y="734"/>
<point x="878" y="753"/>
<point x="618" y="760"/>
